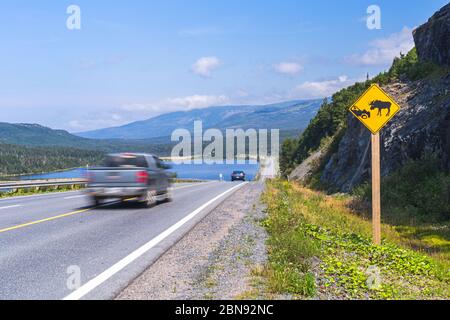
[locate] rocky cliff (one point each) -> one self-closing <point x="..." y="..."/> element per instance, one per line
<point x="421" y="128"/>
<point x="433" y="38"/>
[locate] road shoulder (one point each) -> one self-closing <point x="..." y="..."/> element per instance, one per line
<point x="217" y="259"/>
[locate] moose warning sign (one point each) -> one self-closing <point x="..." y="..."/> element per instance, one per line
<point x="375" y="108"/>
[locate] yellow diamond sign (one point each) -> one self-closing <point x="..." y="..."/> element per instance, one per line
<point x="375" y="108"/>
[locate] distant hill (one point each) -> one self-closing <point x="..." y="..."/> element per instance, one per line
<point x="153" y="135"/>
<point x="15" y="159"/>
<point x="35" y="135"/>
<point x="291" y="115"/>
<point x="32" y="148"/>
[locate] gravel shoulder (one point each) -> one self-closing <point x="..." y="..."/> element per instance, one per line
<point x="218" y="259"/>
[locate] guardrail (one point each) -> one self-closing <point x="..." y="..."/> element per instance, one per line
<point x="40" y="184"/>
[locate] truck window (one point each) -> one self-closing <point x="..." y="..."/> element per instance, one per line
<point x="125" y="161"/>
<point x="159" y="163"/>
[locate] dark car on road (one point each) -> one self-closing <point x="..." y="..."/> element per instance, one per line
<point x="238" y="175"/>
<point x="130" y="175"/>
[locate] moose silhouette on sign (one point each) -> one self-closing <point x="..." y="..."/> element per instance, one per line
<point x="380" y="105"/>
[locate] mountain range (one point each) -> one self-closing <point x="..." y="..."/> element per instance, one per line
<point x="291" y="115"/>
<point x="35" y="135"/>
<point x="153" y="135"/>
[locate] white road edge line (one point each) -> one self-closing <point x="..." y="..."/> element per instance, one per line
<point x="9" y="207"/>
<point x="74" y="197"/>
<point x="108" y="273"/>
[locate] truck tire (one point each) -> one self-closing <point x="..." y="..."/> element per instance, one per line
<point x="95" y="201"/>
<point x="149" y="199"/>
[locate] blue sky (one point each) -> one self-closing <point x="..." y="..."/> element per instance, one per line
<point x="132" y="60"/>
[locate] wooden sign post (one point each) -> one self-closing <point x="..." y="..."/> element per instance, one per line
<point x="376" y="199"/>
<point x="374" y="109"/>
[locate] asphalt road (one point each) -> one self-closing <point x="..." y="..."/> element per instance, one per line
<point x="55" y="246"/>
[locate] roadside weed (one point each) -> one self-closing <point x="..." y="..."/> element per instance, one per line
<point x="305" y="226"/>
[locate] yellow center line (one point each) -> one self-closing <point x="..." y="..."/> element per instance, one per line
<point x="20" y="226"/>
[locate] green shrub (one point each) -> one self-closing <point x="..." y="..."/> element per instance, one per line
<point x="418" y="192"/>
<point x="287" y="155"/>
<point x="410" y="67"/>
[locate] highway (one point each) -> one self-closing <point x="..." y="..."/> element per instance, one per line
<point x="46" y="241"/>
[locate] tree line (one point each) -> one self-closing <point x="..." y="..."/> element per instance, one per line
<point x="16" y="159"/>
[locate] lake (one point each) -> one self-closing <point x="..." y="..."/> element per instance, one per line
<point x="183" y="171"/>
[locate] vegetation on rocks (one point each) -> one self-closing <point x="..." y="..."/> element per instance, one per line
<point x="417" y="193"/>
<point x="416" y="189"/>
<point x="331" y="120"/>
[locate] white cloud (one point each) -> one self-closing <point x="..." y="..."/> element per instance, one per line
<point x="176" y="104"/>
<point x="140" y="107"/>
<point x="198" y="101"/>
<point x="92" y="124"/>
<point x="288" y="68"/>
<point x="322" y="89"/>
<point x="116" y="117"/>
<point x="383" y="51"/>
<point x="205" y="65"/>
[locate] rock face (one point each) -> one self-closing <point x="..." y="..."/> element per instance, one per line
<point x="303" y="171"/>
<point x="433" y="38"/>
<point x="421" y="127"/>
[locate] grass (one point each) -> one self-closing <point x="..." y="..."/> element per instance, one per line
<point x="320" y="248"/>
<point x="38" y="190"/>
<point x="416" y="203"/>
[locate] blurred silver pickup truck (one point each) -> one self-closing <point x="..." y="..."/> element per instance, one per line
<point x="124" y="176"/>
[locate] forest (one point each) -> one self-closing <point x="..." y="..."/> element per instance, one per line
<point x="16" y="159"/>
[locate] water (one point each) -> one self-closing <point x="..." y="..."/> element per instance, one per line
<point x="68" y="174"/>
<point x="212" y="172"/>
<point x="183" y="171"/>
